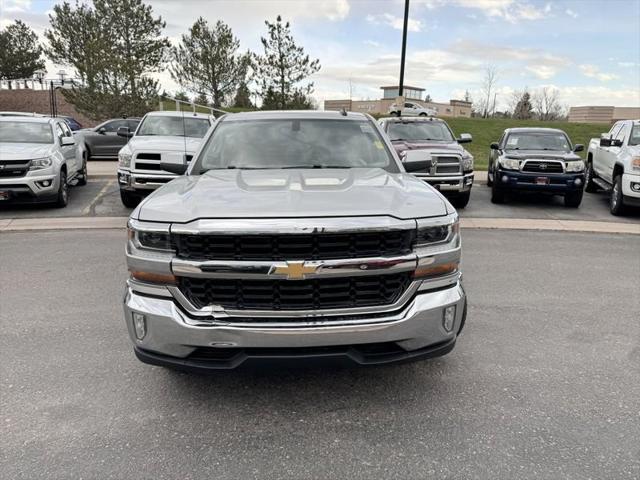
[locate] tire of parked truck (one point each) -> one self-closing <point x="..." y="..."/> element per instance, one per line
<point x="573" y="199"/>
<point x="461" y="200"/>
<point x="489" y="174"/>
<point x="82" y="174"/>
<point x="63" y="191"/>
<point x="129" y="200"/>
<point x="497" y="194"/>
<point x="616" y="201"/>
<point x="589" y="175"/>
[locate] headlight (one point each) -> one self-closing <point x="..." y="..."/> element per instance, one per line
<point x="150" y="239"/>
<point x="467" y="162"/>
<point x="430" y="234"/>
<point x="576" y="166"/>
<point x="510" y="163"/>
<point x="149" y="252"/>
<point x="124" y="159"/>
<point x="40" y="163"/>
<point x="635" y="163"/>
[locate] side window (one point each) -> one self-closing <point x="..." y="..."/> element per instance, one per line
<point x="115" y="125"/>
<point x="133" y="124"/>
<point x="501" y="141"/>
<point x="65" y="129"/>
<point x="614" y="130"/>
<point x="408" y="105"/>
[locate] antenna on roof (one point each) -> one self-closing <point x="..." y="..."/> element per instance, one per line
<point x="343" y="112"/>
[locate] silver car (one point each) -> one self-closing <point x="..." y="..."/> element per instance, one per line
<point x="38" y="160"/>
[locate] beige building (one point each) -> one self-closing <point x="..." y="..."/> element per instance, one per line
<point x="593" y="114"/>
<point x="455" y="108"/>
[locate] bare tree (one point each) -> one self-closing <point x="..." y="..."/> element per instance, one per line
<point x="487" y="102"/>
<point x="546" y="104"/>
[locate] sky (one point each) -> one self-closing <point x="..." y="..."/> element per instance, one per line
<point x="588" y="49"/>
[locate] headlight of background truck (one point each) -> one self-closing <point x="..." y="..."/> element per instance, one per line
<point x="467" y="162"/>
<point x="635" y="163"/>
<point x="40" y="163"/>
<point x="577" y="166"/>
<point x="510" y="163"/>
<point x="124" y="159"/>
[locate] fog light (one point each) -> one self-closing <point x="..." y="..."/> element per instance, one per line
<point x="139" y="325"/>
<point x="635" y="186"/>
<point x="578" y="181"/>
<point x="449" y="317"/>
<point x="505" y="179"/>
<point x="44" y="183"/>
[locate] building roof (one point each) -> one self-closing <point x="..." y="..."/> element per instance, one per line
<point x="397" y="87"/>
<point x="294" y="114"/>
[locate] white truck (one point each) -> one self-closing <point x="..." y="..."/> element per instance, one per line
<point x="613" y="165"/>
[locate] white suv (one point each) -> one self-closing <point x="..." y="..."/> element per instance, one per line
<point x="411" y="109"/>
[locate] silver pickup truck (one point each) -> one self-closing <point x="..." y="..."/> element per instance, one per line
<point x="293" y="235"/>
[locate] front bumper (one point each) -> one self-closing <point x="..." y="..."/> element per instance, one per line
<point x="631" y="189"/>
<point x="133" y="181"/>
<point x="559" y="183"/>
<point x="449" y="184"/>
<point x="30" y="188"/>
<point x="174" y="338"/>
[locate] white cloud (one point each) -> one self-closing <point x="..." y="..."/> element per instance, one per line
<point x="543" y="72"/>
<point x="413" y="25"/>
<point x="592" y="71"/>
<point x="571" y="13"/>
<point x="511" y="11"/>
<point x="628" y="64"/>
<point x="13" y="6"/>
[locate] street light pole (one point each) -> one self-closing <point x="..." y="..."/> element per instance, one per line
<point x="404" y="48"/>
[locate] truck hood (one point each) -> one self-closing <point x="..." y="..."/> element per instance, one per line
<point x="25" y="151"/>
<point x="542" y="154"/>
<point x="292" y="193"/>
<point x="164" y="143"/>
<point x="402" y="145"/>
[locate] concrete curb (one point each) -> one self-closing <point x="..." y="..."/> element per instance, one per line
<point x="94" y="223"/>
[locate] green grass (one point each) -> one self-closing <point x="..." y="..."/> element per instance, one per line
<point x="488" y="130"/>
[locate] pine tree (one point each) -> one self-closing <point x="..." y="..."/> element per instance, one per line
<point x="282" y="68"/>
<point x="524" y="108"/>
<point x="20" y="52"/>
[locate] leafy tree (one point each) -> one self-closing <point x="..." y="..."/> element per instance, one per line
<point x="113" y="46"/>
<point x="428" y="98"/>
<point x="201" y="99"/>
<point x="242" y="98"/>
<point x="20" y="52"/>
<point x="282" y="68"/>
<point x="181" y="95"/>
<point x="523" y="109"/>
<point x="206" y="60"/>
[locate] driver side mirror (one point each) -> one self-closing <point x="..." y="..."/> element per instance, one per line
<point x="495" y="146"/>
<point x="67" y="141"/>
<point x="124" y="132"/>
<point x="102" y="130"/>
<point x="465" y="138"/>
<point x="417" y="161"/>
<point x="578" y="147"/>
<point x="174" y="163"/>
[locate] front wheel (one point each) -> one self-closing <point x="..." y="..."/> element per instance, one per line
<point x="616" y="201"/>
<point x="461" y="200"/>
<point x="589" y="174"/>
<point x="489" y="176"/>
<point x="573" y="199"/>
<point x="129" y="200"/>
<point x="63" y="191"/>
<point x="82" y="174"/>
<point x="423" y="114"/>
<point x="497" y="194"/>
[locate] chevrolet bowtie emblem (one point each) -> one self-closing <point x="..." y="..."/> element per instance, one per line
<point x="294" y="270"/>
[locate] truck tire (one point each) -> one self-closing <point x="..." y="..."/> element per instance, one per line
<point x="423" y="114"/>
<point x="129" y="200"/>
<point x="497" y="195"/>
<point x="82" y="173"/>
<point x="573" y="199"/>
<point x="461" y="200"/>
<point x="489" y="175"/>
<point x="63" y="191"/>
<point x="616" y="201"/>
<point x="589" y="175"/>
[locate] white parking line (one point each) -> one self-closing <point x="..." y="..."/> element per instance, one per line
<point x="87" y="209"/>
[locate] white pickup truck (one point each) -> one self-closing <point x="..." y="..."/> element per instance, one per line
<point x="613" y="164"/>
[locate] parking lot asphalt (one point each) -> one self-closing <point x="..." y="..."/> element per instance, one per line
<point x="544" y="382"/>
<point x="101" y="197"/>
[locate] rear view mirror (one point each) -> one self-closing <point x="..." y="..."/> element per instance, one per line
<point x="124" y="132"/>
<point x="605" y="142"/>
<point x="465" y="138"/>
<point x="66" y="141"/>
<point x="174" y="163"/>
<point x="417" y="161"/>
<point x="102" y="130"/>
<point x="495" y="146"/>
<point x="578" y="147"/>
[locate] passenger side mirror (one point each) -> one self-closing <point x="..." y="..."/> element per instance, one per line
<point x="102" y="130"/>
<point x="174" y="163"/>
<point x="495" y="146"/>
<point x="417" y="161"/>
<point x="465" y="138"/>
<point x="578" y="147"/>
<point x="67" y="141"/>
<point x="124" y="132"/>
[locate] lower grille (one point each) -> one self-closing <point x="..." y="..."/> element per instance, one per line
<point x="316" y="294"/>
<point x="543" y="167"/>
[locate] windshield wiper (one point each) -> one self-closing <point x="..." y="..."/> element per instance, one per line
<point x="313" y="166"/>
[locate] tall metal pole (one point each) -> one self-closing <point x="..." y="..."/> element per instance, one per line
<point x="404" y="48"/>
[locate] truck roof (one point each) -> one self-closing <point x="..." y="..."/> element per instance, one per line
<point x="173" y="113"/>
<point x="534" y="130"/>
<point x="412" y="119"/>
<point x="295" y="114"/>
<point x="26" y="119"/>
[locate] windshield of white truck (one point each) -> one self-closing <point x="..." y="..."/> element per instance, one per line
<point x="419" y="131"/>
<point x="538" y="141"/>
<point x="295" y="143"/>
<point x="174" y="126"/>
<point x="25" y="132"/>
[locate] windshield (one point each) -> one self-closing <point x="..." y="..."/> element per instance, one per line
<point x="634" y="138"/>
<point x="538" y="141"/>
<point x="25" y="132"/>
<point x="291" y="143"/>
<point x="433" y="131"/>
<point x="174" y="126"/>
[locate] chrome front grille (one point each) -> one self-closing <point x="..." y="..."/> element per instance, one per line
<point x="447" y="165"/>
<point x="150" y="161"/>
<point x="316" y="294"/>
<point x="14" y="168"/>
<point x="543" y="166"/>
